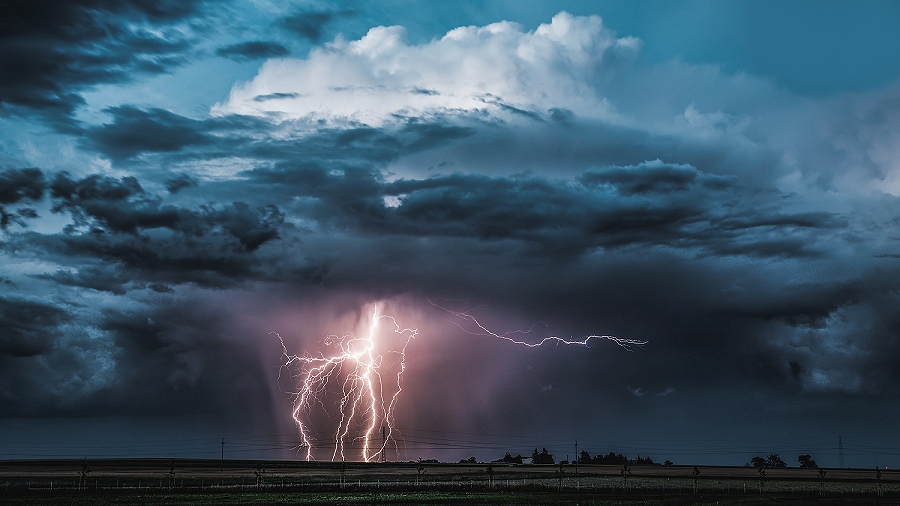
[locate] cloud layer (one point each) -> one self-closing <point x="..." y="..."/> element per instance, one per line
<point x="486" y="72"/>
<point x="546" y="175"/>
<point x="55" y="50"/>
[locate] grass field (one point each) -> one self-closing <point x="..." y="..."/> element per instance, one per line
<point x="430" y="497"/>
<point x="202" y="482"/>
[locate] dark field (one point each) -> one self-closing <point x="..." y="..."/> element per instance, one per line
<point x="202" y="482"/>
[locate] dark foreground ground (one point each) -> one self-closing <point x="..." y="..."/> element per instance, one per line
<point x="208" y="482"/>
<point x="435" y="498"/>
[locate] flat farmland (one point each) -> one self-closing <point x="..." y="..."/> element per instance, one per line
<point x="185" y="481"/>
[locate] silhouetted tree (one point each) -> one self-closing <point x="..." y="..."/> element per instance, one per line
<point x="626" y="473"/>
<point x="542" y="458"/>
<point x="647" y="461"/>
<point x="806" y="462"/>
<point x="775" y="461"/>
<point x="420" y="470"/>
<point x="470" y="460"/>
<point x="822" y="474"/>
<point x="696" y="474"/>
<point x="613" y="459"/>
<point x="85" y="470"/>
<point x="772" y="461"/>
<point x="509" y="459"/>
<point x="261" y="471"/>
<point x="559" y="476"/>
<point x="171" y="474"/>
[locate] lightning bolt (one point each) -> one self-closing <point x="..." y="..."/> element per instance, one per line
<point x="361" y="370"/>
<point x="367" y="374"/>
<point x="466" y="316"/>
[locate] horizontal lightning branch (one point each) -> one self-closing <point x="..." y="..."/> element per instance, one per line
<point x="482" y="331"/>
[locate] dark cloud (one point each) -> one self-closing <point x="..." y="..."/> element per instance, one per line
<point x="160" y="288"/>
<point x="114" y="278"/>
<point x="120" y="362"/>
<point x="140" y="239"/>
<point x="561" y="115"/>
<point x="165" y="365"/>
<point x="18" y="185"/>
<point x="253" y="50"/>
<point x="110" y="204"/>
<point x="338" y="172"/>
<point x="797" y="305"/>
<point x="134" y="131"/>
<point x="27" y="326"/>
<point x="274" y="96"/>
<point x="180" y="182"/>
<point x="494" y="100"/>
<point x="361" y="148"/>
<point x="652" y="178"/>
<point x="53" y="50"/>
<point x="651" y="205"/>
<point x="21" y="184"/>
<point x="311" y="24"/>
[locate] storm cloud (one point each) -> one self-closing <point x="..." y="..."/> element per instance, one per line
<point x="17" y="185"/>
<point x="546" y="177"/>
<point x="256" y="49"/>
<point x="55" y="50"/>
<point x="311" y="24"/>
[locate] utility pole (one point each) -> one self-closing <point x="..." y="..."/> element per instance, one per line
<point x="222" y="467"/>
<point x="576" y="457"/>
<point x="383" y="444"/>
<point x="841" y="451"/>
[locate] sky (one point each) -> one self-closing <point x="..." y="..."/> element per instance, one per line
<point x="194" y="192"/>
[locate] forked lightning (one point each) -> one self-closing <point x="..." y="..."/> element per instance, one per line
<point x="368" y="373"/>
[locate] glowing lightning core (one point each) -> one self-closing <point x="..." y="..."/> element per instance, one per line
<point x="368" y="374"/>
<point x="362" y="406"/>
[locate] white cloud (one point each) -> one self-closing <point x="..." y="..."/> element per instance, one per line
<point x="863" y="135"/>
<point x="498" y="69"/>
<point x="609" y="108"/>
<point x="637" y="392"/>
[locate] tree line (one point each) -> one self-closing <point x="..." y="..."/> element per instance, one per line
<point x="545" y="457"/>
<point x="774" y="461"/>
<point x="619" y="459"/>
